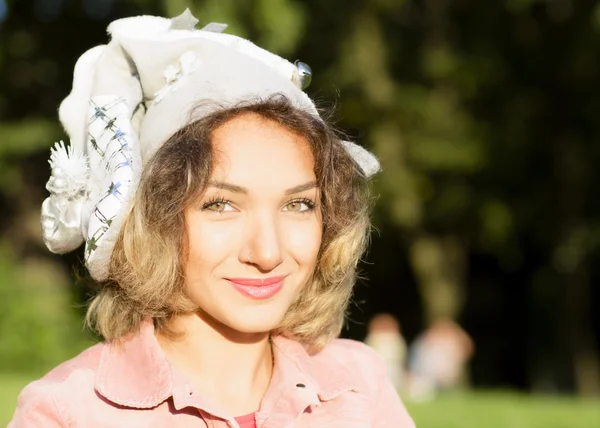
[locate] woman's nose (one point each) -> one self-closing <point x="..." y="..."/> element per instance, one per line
<point x="264" y="248"/>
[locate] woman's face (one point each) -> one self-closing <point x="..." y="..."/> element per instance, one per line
<point x="255" y="234"/>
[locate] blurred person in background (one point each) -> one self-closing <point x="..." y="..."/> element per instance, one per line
<point x="437" y="359"/>
<point x="385" y="336"/>
<point x="223" y="219"/>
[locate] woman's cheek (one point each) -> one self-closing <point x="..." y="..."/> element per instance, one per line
<point x="210" y="238"/>
<point x="304" y="238"/>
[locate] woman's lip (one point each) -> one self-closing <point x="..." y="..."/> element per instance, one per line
<point x="257" y="282"/>
<point x="265" y="288"/>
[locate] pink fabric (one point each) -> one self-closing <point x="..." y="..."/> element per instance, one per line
<point x="246" y="421"/>
<point x="133" y="385"/>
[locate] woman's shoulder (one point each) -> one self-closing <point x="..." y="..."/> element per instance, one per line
<point x="343" y="362"/>
<point x="369" y="374"/>
<point x="352" y="353"/>
<point x="354" y="347"/>
<point x="349" y="374"/>
<point x="48" y="395"/>
<point x="81" y="366"/>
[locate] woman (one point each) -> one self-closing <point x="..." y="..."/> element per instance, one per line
<point x="224" y="220"/>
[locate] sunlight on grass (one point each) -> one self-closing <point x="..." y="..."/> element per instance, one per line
<point x="506" y="410"/>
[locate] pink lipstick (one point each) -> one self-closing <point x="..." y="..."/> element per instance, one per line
<point x="258" y="288"/>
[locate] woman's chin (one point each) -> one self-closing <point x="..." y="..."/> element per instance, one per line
<point x="244" y="323"/>
<point x="255" y="322"/>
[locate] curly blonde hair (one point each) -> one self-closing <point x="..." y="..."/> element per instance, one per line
<point x="146" y="268"/>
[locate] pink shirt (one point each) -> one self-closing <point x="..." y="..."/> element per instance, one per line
<point x="134" y="385"/>
<point x="246" y="421"/>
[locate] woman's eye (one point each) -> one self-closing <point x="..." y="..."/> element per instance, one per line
<point x="218" y="206"/>
<point x="300" y="206"/>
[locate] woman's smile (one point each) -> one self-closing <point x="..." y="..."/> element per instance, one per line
<point x="258" y="288"/>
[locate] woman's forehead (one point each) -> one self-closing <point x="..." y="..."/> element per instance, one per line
<point x="250" y="150"/>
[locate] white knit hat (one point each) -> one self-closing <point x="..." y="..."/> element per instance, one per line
<point x="128" y="98"/>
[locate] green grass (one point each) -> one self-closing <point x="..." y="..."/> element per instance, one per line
<point x="506" y="410"/>
<point x="460" y="410"/>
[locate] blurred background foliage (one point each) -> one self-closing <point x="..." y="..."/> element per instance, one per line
<point x="484" y="116"/>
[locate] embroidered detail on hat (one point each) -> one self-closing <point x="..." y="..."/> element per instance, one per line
<point x="175" y="74"/>
<point x="110" y="149"/>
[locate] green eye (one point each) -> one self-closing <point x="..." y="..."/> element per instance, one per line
<point x="219" y="206"/>
<point x="300" y="205"/>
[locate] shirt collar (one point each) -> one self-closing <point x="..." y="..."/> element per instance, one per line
<point x="135" y="373"/>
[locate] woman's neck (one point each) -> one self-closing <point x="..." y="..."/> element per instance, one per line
<point x="229" y="368"/>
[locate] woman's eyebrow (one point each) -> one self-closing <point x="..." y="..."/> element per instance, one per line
<point x="239" y="189"/>
<point x="228" y="186"/>
<point x="301" y="188"/>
